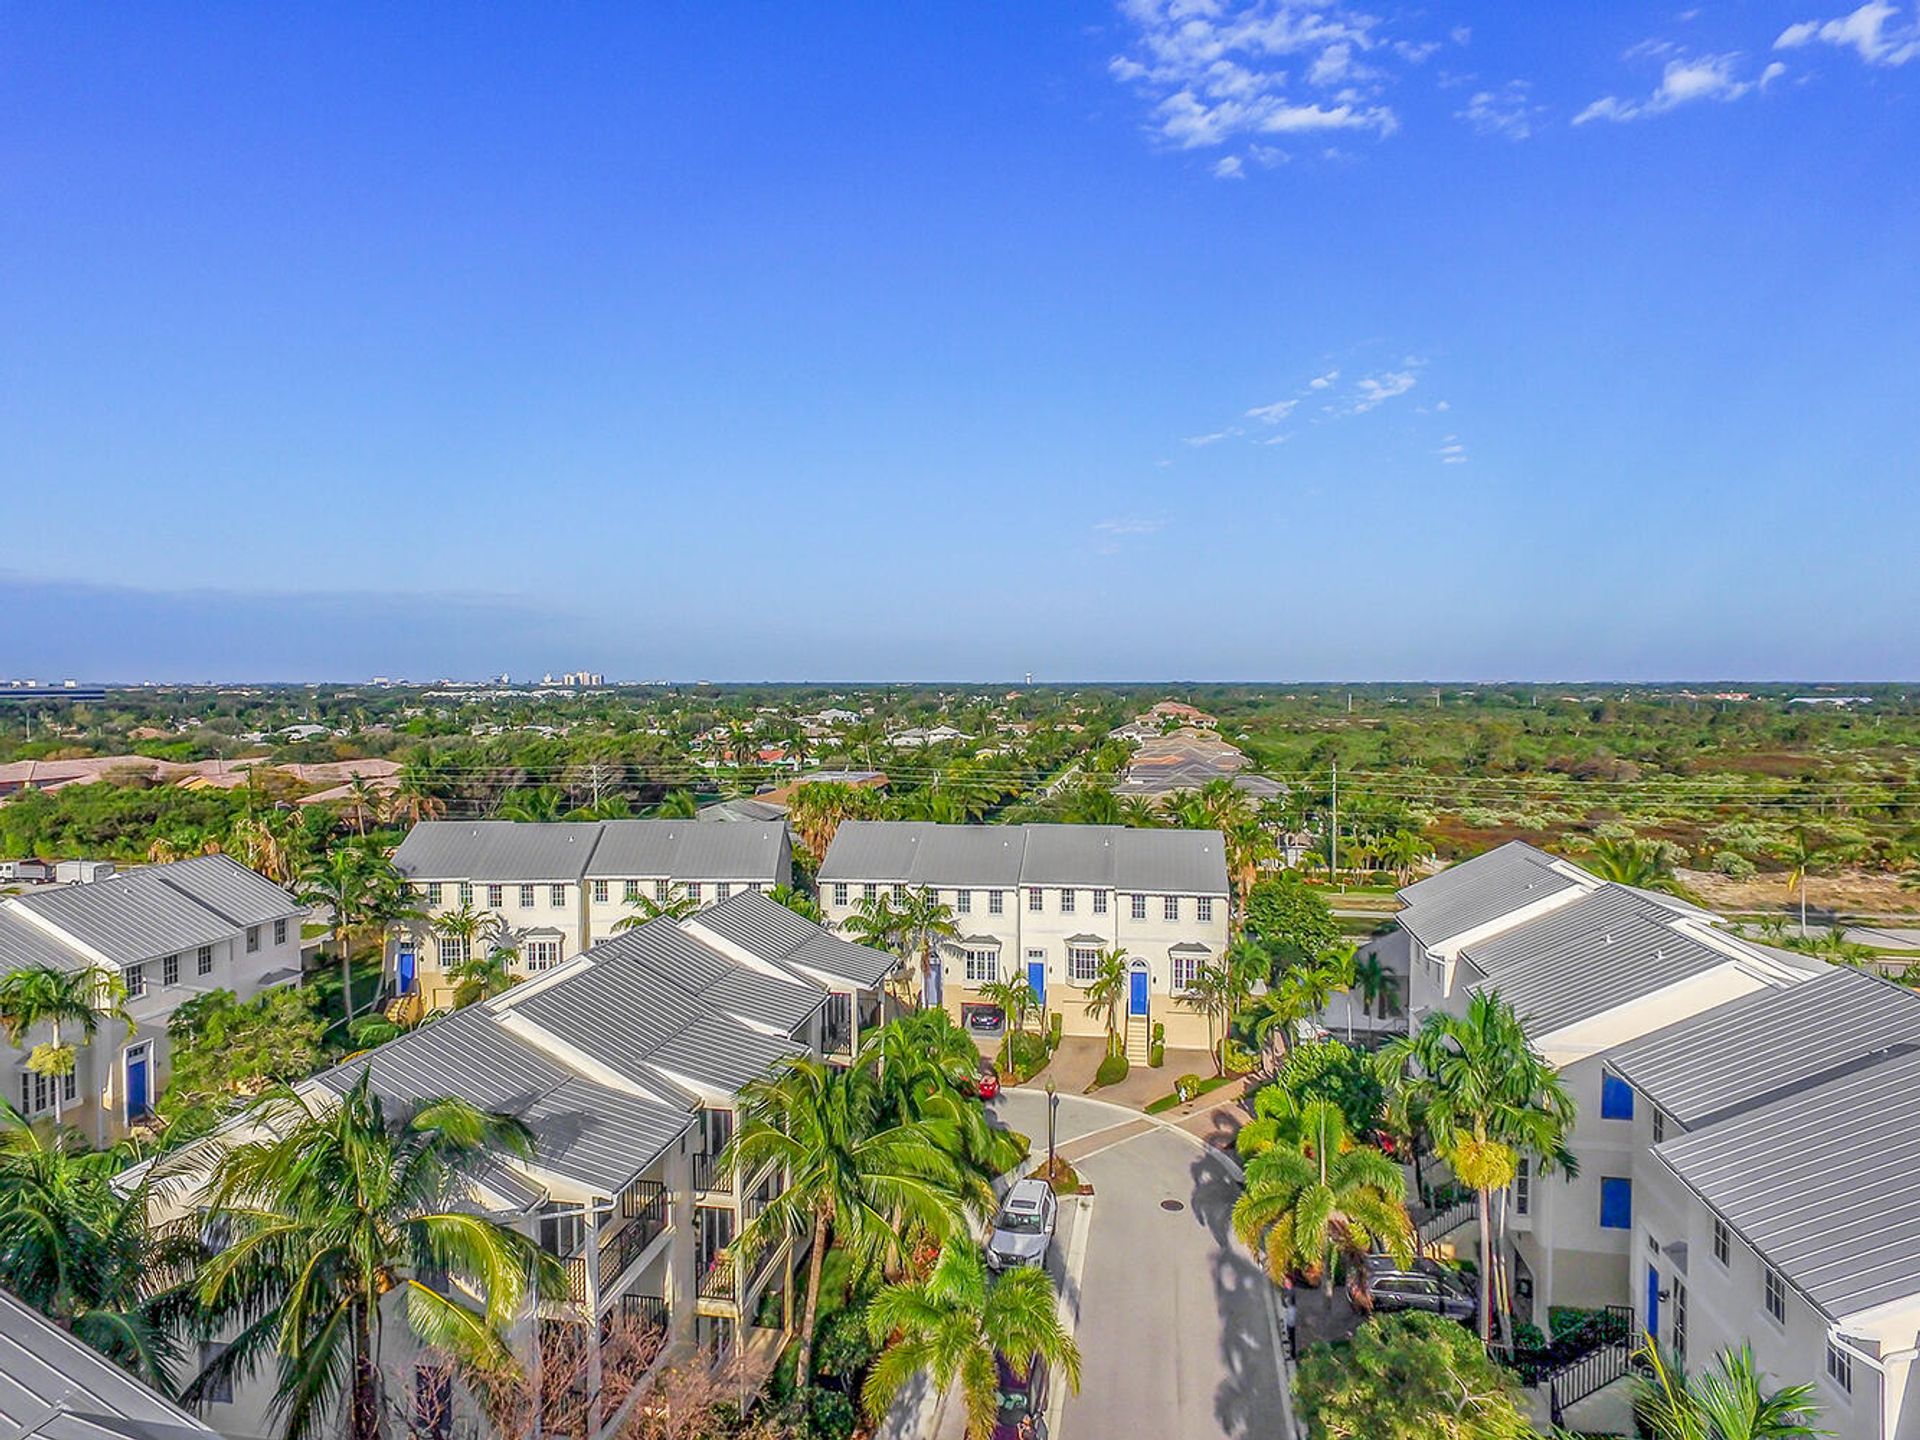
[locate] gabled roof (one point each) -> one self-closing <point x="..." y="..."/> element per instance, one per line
<point x="769" y="930"/>
<point x="159" y="910"/>
<point x="510" y="851"/>
<point x="1468" y="895"/>
<point x="1604" y="949"/>
<point x="912" y="852"/>
<point x="1771" y="1044"/>
<point x="55" y="1388"/>
<point x="1824" y="1184"/>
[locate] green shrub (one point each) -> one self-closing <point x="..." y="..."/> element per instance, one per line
<point x="1112" y="1071"/>
<point x="1159" y="1033"/>
<point x="1029" y="1053"/>
<point x="1734" y="865"/>
<point x="1157" y="1055"/>
<point x="1054" y="1022"/>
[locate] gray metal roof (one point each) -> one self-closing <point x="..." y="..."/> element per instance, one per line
<point x="56" y="1388"/>
<point x="717" y="1051"/>
<point x="499" y="851"/>
<point x="1587" y="956"/>
<point x="1766" y="1046"/>
<point x="1469" y="894"/>
<point x="513" y="851"/>
<point x="1825" y="1185"/>
<point x="768" y="929"/>
<point x="913" y="852"/>
<point x="223" y="884"/>
<point x="25" y="946"/>
<point x="129" y="918"/>
<point x="749" y="995"/>
<point x="601" y="1135"/>
<point x="727" y="811"/>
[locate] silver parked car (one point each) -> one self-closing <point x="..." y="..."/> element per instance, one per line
<point x="1025" y="1228"/>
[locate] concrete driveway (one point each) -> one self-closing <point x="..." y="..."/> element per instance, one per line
<point x="1178" y="1332"/>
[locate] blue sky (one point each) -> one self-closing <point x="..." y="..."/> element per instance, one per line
<point x="955" y="341"/>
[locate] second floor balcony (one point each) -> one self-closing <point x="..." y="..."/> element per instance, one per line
<point x="709" y="1178"/>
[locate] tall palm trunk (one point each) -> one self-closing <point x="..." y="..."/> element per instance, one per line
<point x="346" y="977"/>
<point x="803" y="1362"/>
<point x="1486" y="1266"/>
<point x="59" y="1081"/>
<point x="366" y="1419"/>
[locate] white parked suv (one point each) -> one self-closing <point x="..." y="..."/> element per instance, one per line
<point x="1025" y="1228"/>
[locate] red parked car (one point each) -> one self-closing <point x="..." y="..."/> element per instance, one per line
<point x="984" y="1085"/>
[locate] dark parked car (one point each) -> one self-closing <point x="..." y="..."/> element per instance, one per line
<point x="1020" y="1398"/>
<point x="1423" y="1285"/>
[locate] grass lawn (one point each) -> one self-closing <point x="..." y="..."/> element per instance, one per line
<point x="325" y="982"/>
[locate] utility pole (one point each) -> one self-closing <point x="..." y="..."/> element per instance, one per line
<point x="1333" y="839"/>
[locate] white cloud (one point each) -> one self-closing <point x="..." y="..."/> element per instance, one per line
<point x="1683" y="80"/>
<point x="1218" y="70"/>
<point x="1864" y="31"/>
<point x="1441" y="407"/>
<point x="1272" y="414"/>
<point x="1451" y="451"/>
<point x="1460" y="34"/>
<point x="1129" y="525"/>
<point x="1416" y="52"/>
<point x="1228" y="167"/>
<point x="1321" y="382"/>
<point x="1197" y="441"/>
<point x="1508" y="111"/>
<point x="1376" y="390"/>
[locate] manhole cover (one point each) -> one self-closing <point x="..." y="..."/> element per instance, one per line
<point x="1171" y="1205"/>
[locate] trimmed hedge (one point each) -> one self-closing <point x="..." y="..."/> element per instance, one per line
<point x="1112" y="1071"/>
<point x="1157" y="1056"/>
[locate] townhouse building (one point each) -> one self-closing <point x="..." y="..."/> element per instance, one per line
<point x="625" y="1062"/>
<point x="558" y="888"/>
<point x="1777" y="1191"/>
<point x="1589" y="966"/>
<point x="1044" y="901"/>
<point x="170" y="932"/>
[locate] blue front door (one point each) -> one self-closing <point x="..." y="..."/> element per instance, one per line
<point x="1653" y="1300"/>
<point x="405" y="966"/>
<point x="137" y="1097"/>
<point x="1139" y="996"/>
<point x="1037" y="979"/>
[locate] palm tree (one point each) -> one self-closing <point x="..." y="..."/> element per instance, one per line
<point x="81" y="1252"/>
<point x="677" y="805"/>
<point x="926" y="922"/>
<point x="263" y="843"/>
<point x="418" y="790"/>
<point x="677" y="906"/>
<point x="1218" y="991"/>
<point x="481" y="977"/>
<point x="539" y="805"/>
<point x="1377" y="985"/>
<point x="1298" y="992"/>
<point x="1324" y="1197"/>
<point x="1404" y="850"/>
<point x="803" y="905"/>
<point x="1488" y="1098"/>
<point x="1091" y="803"/>
<point x="467" y="926"/>
<point x="364" y="803"/>
<point x="1014" y="997"/>
<point x="917" y="1054"/>
<point x="1804" y="854"/>
<point x="1141" y="813"/>
<point x="952" y="1324"/>
<point x="1729" y="1402"/>
<point x="850" y="1173"/>
<point x="39" y="995"/>
<point x="336" y="1209"/>
<point x="1640" y="863"/>
<point x="342" y="881"/>
<point x="1106" y="994"/>
<point x="876" y="924"/>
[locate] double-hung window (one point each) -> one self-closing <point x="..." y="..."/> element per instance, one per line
<point x="1170" y="908"/>
<point x="134" y="978"/>
<point x="170" y="970"/>
<point x="869" y="891"/>
<point x="253" y="938"/>
<point x="543" y="954"/>
<point x="722" y="890"/>
<point x="1139" y="907"/>
<point x="526" y="897"/>
<point x="1659" y="1125"/>
<point x="496" y="896"/>
<point x="840" y="892"/>
<point x="1066" y="902"/>
<point x="899" y="894"/>
<point x="983" y="966"/>
<point x="1099" y="902"/>
<point x="1083" y="963"/>
<point x="996" y="902"/>
<point x="434" y="892"/>
<point x="661" y="890"/>
<point x="203" y="960"/>
<point x="1774" y="1289"/>
<point x="1523" y="1186"/>
<point x="466" y="893"/>
<point x="453" y="951"/>
<point x="1035" y="902"/>
<point x="1680" y="1318"/>
<point x="693" y="891"/>
<point x="601" y="892"/>
<point x="1840" y="1368"/>
<point x="963" y="902"/>
<point x="1203" y="909"/>
<point x="279" y="932"/>
<point x="1185" y="968"/>
<point x="556" y="896"/>
<point x="1722" y="1242"/>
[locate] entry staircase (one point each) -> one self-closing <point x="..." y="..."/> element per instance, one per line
<point x="1139" y="1039"/>
<point x="405" y="1009"/>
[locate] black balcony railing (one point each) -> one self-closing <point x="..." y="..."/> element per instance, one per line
<point x="716" y="1279"/>
<point x="642" y="1312"/>
<point x="709" y="1176"/>
<point x="646" y="1203"/>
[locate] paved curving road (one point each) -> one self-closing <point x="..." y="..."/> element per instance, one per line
<point x="1177" y="1332"/>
